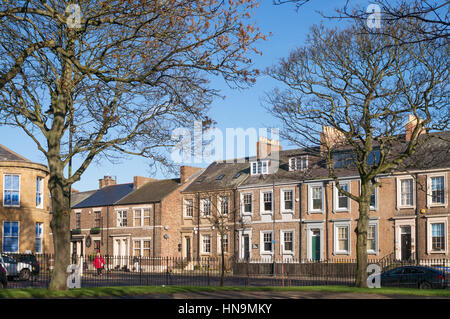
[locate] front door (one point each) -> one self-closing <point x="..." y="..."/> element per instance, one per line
<point x="188" y="248"/>
<point x="405" y="242"/>
<point x="77" y="251"/>
<point x="120" y="252"/>
<point x="246" y="241"/>
<point x="315" y="245"/>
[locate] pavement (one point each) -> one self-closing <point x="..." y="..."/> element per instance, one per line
<point x="286" y="295"/>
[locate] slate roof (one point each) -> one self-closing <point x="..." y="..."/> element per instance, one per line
<point x="7" y="155"/>
<point x="150" y="192"/>
<point x="78" y="197"/>
<point x="435" y="153"/>
<point x="220" y="176"/>
<point x="106" y="196"/>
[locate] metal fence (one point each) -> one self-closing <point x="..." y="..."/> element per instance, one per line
<point x="143" y="271"/>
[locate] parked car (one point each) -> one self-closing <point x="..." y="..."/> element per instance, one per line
<point x="29" y="259"/>
<point x="415" y="277"/>
<point x="16" y="269"/>
<point x="3" y="276"/>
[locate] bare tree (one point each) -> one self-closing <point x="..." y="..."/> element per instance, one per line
<point x="114" y="78"/>
<point x="426" y="20"/>
<point x="360" y="87"/>
<point x="220" y="216"/>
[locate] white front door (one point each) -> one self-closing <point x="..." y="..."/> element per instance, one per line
<point x="120" y="252"/>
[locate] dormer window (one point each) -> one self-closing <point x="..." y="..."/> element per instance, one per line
<point x="298" y="163"/>
<point x="259" y="167"/>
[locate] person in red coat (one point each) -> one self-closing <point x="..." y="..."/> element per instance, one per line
<point x="98" y="263"/>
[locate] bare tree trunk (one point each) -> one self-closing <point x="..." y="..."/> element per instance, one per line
<point x="222" y="275"/>
<point x="361" y="236"/>
<point x="60" y="224"/>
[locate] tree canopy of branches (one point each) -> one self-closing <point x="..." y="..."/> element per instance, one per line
<point x="115" y="76"/>
<point x="362" y="86"/>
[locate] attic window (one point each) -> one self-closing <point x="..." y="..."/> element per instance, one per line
<point x="220" y="177"/>
<point x="237" y="175"/>
<point x="298" y="163"/>
<point x="259" y="167"/>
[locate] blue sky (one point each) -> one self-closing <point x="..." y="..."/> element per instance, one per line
<point x="240" y="108"/>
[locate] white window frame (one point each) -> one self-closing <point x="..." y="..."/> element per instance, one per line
<point x="39" y="237"/>
<point x="311" y="210"/>
<point x="120" y="219"/>
<point x="375" y="224"/>
<point x="336" y="226"/>
<point x="429" y="190"/>
<point x="430" y="222"/>
<point x="4" y="189"/>
<point x="186" y="206"/>
<point x="336" y="197"/>
<point x="243" y="212"/>
<point x="18" y="235"/>
<point x="40" y="182"/>
<point x="399" y="192"/>
<point x="141" y="248"/>
<point x="375" y="193"/>
<point x="283" y="250"/>
<point x="262" y="202"/>
<point x="202" y="207"/>
<point x="142" y="217"/>
<point x="206" y="236"/>
<point x="282" y="200"/>
<point x="298" y="163"/>
<point x="221" y="201"/>
<point x="262" y="250"/>
<point x="255" y="165"/>
<point x="219" y="244"/>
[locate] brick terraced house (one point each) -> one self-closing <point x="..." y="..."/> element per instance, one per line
<point x="295" y="212"/>
<point x="129" y="220"/>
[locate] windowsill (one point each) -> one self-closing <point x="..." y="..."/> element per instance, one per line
<point x="287" y="212"/>
<point x="342" y="253"/>
<point x="341" y="210"/>
<point x="438" y="252"/>
<point x="437" y="205"/>
<point x="11" y="206"/>
<point x="290" y="253"/>
<point x="266" y="213"/>
<point x="315" y="212"/>
<point x="372" y="252"/>
<point x="406" y="207"/>
<point x="187" y="217"/>
<point x="266" y="254"/>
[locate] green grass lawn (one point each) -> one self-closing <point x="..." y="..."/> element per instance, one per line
<point x="142" y="290"/>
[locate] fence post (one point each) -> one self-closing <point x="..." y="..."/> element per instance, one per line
<point x="208" y="271"/>
<point x="167" y="271"/>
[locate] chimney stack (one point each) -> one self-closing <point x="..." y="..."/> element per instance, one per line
<point x="410" y="126"/>
<point x="330" y="137"/>
<point x="265" y="146"/>
<point x="138" y="181"/>
<point x="186" y="172"/>
<point x="106" y="181"/>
